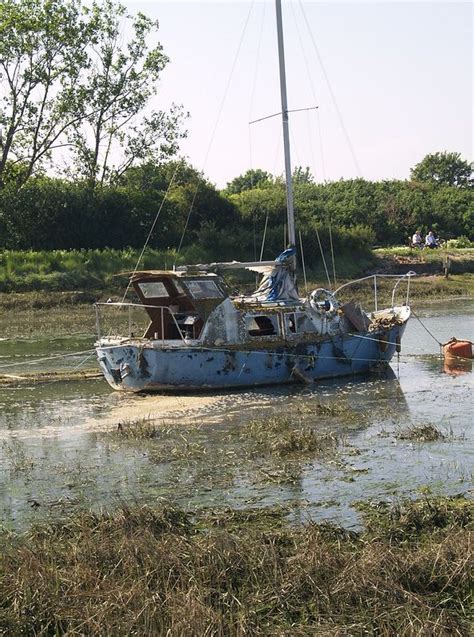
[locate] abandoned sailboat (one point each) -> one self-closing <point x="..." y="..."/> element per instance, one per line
<point x="200" y="337"/>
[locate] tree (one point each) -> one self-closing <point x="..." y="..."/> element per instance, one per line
<point x="69" y="77"/>
<point x="42" y="54"/>
<point x="444" y="169"/>
<point x="302" y="175"/>
<point x="253" y="178"/>
<point x="122" y="78"/>
<point x="191" y="202"/>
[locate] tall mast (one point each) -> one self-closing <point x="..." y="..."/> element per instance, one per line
<point x="286" y="130"/>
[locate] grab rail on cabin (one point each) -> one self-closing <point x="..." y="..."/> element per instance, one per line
<point x="404" y="277"/>
<point x="139" y="305"/>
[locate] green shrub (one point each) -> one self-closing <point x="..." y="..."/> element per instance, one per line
<point x="460" y="242"/>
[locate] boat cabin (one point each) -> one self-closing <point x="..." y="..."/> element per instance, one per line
<point x="177" y="303"/>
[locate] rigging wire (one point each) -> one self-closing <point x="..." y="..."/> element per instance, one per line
<point x="322" y="255"/>
<point x="264" y="236"/>
<point x="332" y="253"/>
<point x="221" y="107"/>
<point x="321" y="146"/>
<point x="178" y="164"/>
<point x="331" y="92"/>
<point x="251" y="107"/>
<point x="254" y="83"/>
<point x="310" y="139"/>
<point x="315" y="99"/>
<point x="310" y="81"/>
<point x="303" y="264"/>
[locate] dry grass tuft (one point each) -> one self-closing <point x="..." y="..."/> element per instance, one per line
<point x="155" y="572"/>
<point x="421" y="433"/>
<point x="138" y="430"/>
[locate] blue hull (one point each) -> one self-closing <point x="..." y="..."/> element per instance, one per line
<point x="142" y="367"/>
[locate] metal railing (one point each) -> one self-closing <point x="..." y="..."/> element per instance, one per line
<point x="130" y="307"/>
<point x="404" y="277"/>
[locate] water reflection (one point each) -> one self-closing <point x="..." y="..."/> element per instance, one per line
<point x="457" y="367"/>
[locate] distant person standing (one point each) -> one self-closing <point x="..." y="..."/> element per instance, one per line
<point x="416" y="240"/>
<point x="431" y="241"/>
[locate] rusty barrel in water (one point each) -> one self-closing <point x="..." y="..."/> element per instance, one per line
<point x="457" y="357"/>
<point x="457" y="349"/>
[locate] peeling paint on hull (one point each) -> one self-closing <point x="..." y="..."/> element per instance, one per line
<point x="145" y="367"/>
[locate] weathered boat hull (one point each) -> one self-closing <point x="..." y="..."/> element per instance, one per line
<point x="151" y="366"/>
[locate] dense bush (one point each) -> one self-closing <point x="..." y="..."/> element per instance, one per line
<point x="52" y="214"/>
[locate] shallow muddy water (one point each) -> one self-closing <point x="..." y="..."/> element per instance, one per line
<point x="60" y="449"/>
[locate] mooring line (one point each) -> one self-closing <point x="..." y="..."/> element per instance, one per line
<point x="84" y="360"/>
<point x="424" y="326"/>
<point x="47" y="358"/>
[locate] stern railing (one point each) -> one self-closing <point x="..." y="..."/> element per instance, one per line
<point x="404" y="277"/>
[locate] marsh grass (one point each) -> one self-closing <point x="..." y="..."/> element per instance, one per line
<point x="168" y="442"/>
<point x="269" y="436"/>
<point x="139" y="429"/>
<point x="161" y="571"/>
<point x="336" y="411"/>
<point x="422" y="433"/>
<point x="282" y="436"/>
<point x="181" y="449"/>
<point x="19" y="461"/>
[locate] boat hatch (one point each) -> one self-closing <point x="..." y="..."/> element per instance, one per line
<point x="189" y="301"/>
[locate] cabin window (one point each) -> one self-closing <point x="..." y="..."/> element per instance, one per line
<point x="298" y="322"/>
<point x="262" y="325"/>
<point x="290" y="323"/>
<point x="204" y="290"/>
<point x="303" y="323"/>
<point x="178" y="287"/>
<point x="153" y="289"/>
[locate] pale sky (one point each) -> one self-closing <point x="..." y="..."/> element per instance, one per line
<point x="401" y="74"/>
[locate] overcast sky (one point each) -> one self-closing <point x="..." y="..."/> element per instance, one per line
<point x="393" y="82"/>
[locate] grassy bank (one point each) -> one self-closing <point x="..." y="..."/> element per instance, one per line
<point x="162" y="571"/>
<point x="98" y="270"/>
<point x="41" y="280"/>
<point x="66" y="270"/>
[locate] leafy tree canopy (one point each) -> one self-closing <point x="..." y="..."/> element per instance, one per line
<point x="302" y="175"/>
<point x="254" y="178"/>
<point x="42" y="54"/>
<point x="444" y="169"/>
<point x="77" y="79"/>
